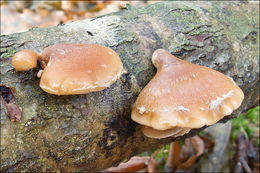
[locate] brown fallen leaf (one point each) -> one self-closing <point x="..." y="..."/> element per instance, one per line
<point x="19" y="6"/>
<point x="183" y="158"/>
<point x="49" y="5"/>
<point x="98" y="7"/>
<point x="186" y="151"/>
<point x="67" y="5"/>
<point x="197" y="146"/>
<point x="134" y="164"/>
<point x="152" y="164"/>
<point x="14" y="112"/>
<point x="208" y="142"/>
<point x="173" y="157"/>
<point x="180" y="159"/>
<point x="8" y="100"/>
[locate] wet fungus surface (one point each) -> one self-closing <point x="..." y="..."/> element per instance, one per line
<point x="182" y="96"/>
<point x="72" y="68"/>
<point x="25" y="60"/>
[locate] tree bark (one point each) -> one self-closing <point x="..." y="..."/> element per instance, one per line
<point x="94" y="131"/>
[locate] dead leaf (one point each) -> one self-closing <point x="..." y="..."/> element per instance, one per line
<point x="152" y="164"/>
<point x="12" y="109"/>
<point x="197" y="144"/>
<point x="134" y="164"/>
<point x="98" y="7"/>
<point x="208" y="142"/>
<point x="173" y="158"/>
<point x="186" y="151"/>
<point x="193" y="144"/>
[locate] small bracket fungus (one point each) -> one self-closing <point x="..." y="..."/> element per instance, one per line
<point x="76" y="68"/>
<point x="25" y="60"/>
<point x="182" y="96"/>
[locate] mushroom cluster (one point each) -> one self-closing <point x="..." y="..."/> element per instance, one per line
<point x="183" y="96"/>
<point x="72" y="68"/>
<point x="180" y="97"/>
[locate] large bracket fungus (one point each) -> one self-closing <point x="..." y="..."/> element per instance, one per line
<point x="72" y="68"/>
<point x="182" y="96"/>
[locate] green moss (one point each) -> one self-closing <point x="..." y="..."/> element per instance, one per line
<point x="4" y="49"/>
<point x="244" y="123"/>
<point x="163" y="153"/>
<point x="253" y="115"/>
<point x="8" y="52"/>
<point x="238" y="27"/>
<point x="2" y="64"/>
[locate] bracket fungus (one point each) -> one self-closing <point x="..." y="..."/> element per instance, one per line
<point x="182" y="96"/>
<point x="25" y="60"/>
<point x="73" y="68"/>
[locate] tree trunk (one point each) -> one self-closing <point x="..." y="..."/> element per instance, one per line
<point x="94" y="131"/>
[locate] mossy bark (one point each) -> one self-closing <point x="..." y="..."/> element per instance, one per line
<point x="94" y="131"/>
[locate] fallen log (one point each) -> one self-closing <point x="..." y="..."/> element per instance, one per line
<point x="94" y="131"/>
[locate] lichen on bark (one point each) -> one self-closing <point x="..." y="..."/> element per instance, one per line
<point x="94" y="131"/>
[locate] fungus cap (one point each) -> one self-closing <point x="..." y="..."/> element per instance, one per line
<point x="79" y="68"/>
<point x="184" y="95"/>
<point x="25" y="60"/>
<point x="152" y="133"/>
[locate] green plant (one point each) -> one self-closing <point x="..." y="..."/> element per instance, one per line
<point x="248" y="122"/>
<point x="253" y="115"/>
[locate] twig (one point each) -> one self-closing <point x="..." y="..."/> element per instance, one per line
<point x="152" y="164"/>
<point x="245" y="165"/>
<point x="242" y="148"/>
<point x="173" y="157"/>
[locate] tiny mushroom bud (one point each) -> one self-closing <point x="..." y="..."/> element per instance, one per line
<point x="78" y="68"/>
<point x="182" y="96"/>
<point x="25" y="60"/>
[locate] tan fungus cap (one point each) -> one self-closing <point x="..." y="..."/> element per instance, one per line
<point x="183" y="95"/>
<point x="79" y="68"/>
<point x="25" y="60"/>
